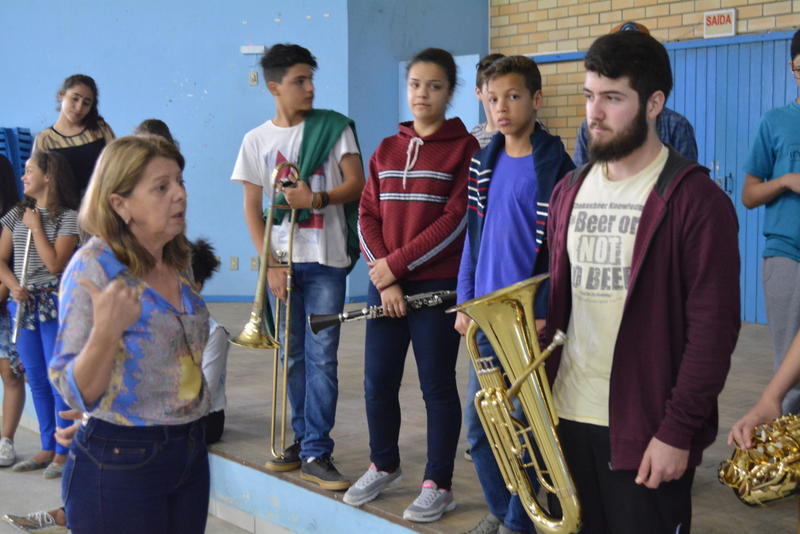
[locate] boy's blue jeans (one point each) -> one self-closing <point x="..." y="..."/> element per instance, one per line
<point x="313" y="387"/>
<point x="502" y="504"/>
<point x="135" y="479"/>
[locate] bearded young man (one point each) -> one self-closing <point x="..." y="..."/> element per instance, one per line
<point x="645" y="280"/>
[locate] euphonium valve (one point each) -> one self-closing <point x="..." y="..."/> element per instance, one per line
<point x="506" y="317"/>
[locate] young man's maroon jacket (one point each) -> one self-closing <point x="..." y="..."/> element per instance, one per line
<point x="681" y="317"/>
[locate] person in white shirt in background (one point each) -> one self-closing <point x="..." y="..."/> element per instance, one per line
<point x="215" y="355"/>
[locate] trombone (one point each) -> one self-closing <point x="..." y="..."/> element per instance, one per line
<point x="259" y="331"/>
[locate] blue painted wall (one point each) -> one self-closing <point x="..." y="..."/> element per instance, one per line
<point x="180" y="61"/>
<point x="384" y="33"/>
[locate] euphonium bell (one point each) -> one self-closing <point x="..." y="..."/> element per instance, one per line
<point x="506" y="317"/>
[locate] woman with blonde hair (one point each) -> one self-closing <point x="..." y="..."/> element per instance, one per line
<point x="129" y="350"/>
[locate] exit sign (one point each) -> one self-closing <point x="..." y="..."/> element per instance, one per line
<point x="720" y="23"/>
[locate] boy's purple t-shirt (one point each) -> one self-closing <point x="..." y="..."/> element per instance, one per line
<point x="508" y="243"/>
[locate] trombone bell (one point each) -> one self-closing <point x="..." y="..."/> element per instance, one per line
<point x="256" y="334"/>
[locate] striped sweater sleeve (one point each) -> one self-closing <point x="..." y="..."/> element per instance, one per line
<point x="370" y="235"/>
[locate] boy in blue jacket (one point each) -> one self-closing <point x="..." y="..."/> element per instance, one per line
<point x="517" y="172"/>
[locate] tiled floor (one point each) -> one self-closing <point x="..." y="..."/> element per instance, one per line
<point x="716" y="510"/>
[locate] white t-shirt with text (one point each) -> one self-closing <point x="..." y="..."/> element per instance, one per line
<point x="323" y="237"/>
<point x="600" y="240"/>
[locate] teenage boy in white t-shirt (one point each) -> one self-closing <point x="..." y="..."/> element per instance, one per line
<point x="323" y="145"/>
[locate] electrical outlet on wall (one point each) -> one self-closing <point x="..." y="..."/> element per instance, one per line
<point x="234" y="263"/>
<point x="252" y="77"/>
<point x="254" y="261"/>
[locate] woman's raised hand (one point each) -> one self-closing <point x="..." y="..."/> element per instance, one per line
<point x="115" y="308"/>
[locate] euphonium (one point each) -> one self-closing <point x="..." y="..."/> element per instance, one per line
<point x="506" y="317"/>
<point x="258" y="333"/>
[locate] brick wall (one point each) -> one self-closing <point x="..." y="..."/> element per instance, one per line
<point x="550" y="26"/>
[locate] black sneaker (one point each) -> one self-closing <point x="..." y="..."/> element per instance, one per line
<point x="288" y="461"/>
<point x="321" y="471"/>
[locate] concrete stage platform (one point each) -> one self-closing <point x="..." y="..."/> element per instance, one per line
<point x="245" y="494"/>
<point x="293" y="504"/>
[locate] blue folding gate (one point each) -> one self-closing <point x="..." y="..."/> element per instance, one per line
<point x="16" y="144"/>
<point x="723" y="87"/>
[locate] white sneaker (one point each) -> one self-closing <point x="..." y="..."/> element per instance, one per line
<point x="431" y="503"/>
<point x="7" y="454"/>
<point x="36" y="522"/>
<point x="370" y="485"/>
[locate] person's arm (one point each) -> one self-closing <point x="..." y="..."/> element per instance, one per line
<point x="757" y="192"/>
<point x="7" y="277"/>
<point x="301" y="196"/>
<point x="761" y="185"/>
<point x="709" y="269"/>
<point x="465" y="288"/>
<point x="115" y="308"/>
<point x="215" y="357"/>
<point x="370" y="220"/>
<point x="38" y="142"/>
<point x="681" y="136"/>
<point x="108" y="133"/>
<point x="352" y="180"/>
<point x="91" y="324"/>
<point x="254" y="213"/>
<point x="581" y="156"/>
<point x="768" y="407"/>
<point x="54" y="256"/>
<point x="64" y="435"/>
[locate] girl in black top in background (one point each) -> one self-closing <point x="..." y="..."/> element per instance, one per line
<point x="80" y="133"/>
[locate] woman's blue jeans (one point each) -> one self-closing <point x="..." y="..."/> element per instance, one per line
<point x="135" y="479"/>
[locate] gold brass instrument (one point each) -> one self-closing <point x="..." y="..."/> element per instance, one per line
<point x="20" y="312"/>
<point x="257" y="333"/>
<point x="770" y="470"/>
<point x="506" y="317"/>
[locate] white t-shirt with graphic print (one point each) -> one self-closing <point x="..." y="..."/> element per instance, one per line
<point x="323" y="237"/>
<point x="600" y="240"/>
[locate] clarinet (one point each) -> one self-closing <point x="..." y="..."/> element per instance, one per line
<point x="319" y="322"/>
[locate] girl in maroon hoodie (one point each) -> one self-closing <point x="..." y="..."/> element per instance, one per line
<point x="411" y="227"/>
